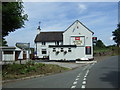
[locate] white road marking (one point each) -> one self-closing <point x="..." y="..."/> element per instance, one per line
<point x="84" y="79"/>
<point x="85" y="76"/>
<point x="73" y="86"/>
<point x="85" y="68"/>
<point x="84" y="82"/>
<point x="87" y="73"/>
<point x="75" y="82"/>
<point x="77" y="79"/>
<point x="83" y="86"/>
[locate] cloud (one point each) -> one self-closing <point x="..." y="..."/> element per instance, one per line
<point x="82" y="7"/>
<point x="58" y="16"/>
<point x="111" y="38"/>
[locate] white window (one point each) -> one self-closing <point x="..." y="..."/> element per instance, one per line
<point x="43" y="43"/>
<point x="57" y="43"/>
<point x="69" y="50"/>
<point x="44" y="51"/>
<point x="54" y="49"/>
<point x="78" y="40"/>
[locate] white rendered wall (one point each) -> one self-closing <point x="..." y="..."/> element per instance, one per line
<point x="61" y="55"/>
<point x="80" y="31"/>
<point x="8" y="57"/>
<point x="46" y="46"/>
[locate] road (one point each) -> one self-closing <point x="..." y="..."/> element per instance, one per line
<point x="103" y="74"/>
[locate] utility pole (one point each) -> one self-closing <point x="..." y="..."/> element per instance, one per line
<point x="28" y="51"/>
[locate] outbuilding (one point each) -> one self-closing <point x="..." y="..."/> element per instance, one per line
<point x="14" y="54"/>
<point x="8" y="53"/>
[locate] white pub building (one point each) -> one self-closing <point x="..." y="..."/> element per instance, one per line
<point x="75" y="43"/>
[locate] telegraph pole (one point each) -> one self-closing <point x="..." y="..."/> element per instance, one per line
<point x="28" y="51"/>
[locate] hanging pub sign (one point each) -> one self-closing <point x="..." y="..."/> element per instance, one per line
<point x="77" y="40"/>
<point x="94" y="39"/>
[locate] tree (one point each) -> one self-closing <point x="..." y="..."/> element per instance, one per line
<point x="100" y="44"/>
<point x="116" y="35"/>
<point x="13" y="17"/>
<point x="4" y="42"/>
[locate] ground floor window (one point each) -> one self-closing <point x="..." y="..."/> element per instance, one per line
<point x="69" y="49"/>
<point x="8" y="52"/>
<point x="62" y="50"/>
<point x="44" y="51"/>
<point x="88" y="50"/>
<point x="54" y="50"/>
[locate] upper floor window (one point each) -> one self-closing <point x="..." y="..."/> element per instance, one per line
<point x="43" y="43"/>
<point x="57" y="43"/>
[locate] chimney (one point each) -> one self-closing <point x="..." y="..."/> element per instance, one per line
<point x="38" y="30"/>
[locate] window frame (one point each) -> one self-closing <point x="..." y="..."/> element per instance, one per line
<point x="44" y="50"/>
<point x="90" y="51"/>
<point x="43" y="43"/>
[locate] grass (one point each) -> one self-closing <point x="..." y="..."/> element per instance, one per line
<point x="112" y="51"/>
<point x="15" y="71"/>
<point x="101" y="50"/>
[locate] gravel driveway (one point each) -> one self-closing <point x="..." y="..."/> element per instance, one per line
<point x="65" y="64"/>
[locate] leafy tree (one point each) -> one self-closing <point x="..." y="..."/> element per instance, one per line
<point x="4" y="42"/>
<point x="116" y="35"/>
<point x="99" y="44"/>
<point x="13" y="17"/>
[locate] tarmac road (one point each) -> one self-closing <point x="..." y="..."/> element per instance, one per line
<point x="103" y="74"/>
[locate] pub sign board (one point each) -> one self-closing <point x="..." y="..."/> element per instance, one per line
<point x="78" y="40"/>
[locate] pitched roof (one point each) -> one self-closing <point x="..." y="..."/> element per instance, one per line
<point x="81" y="24"/>
<point x="54" y="36"/>
<point x="49" y="37"/>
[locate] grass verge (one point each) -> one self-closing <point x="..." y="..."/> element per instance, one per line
<point x="16" y="71"/>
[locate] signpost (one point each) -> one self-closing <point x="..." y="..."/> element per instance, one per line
<point x="24" y="46"/>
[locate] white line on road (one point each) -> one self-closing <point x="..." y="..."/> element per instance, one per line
<point x="87" y="73"/>
<point x="83" y="86"/>
<point x="77" y="79"/>
<point x="85" y="76"/>
<point x="84" y="82"/>
<point x="84" y="79"/>
<point x="73" y="86"/>
<point x="75" y="82"/>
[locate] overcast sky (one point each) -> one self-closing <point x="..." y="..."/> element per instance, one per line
<point x="100" y="17"/>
